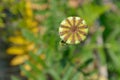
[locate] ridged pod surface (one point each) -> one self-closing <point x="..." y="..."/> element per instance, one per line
<point x="73" y="30"/>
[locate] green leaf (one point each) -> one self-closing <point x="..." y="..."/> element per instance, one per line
<point x="114" y="58"/>
<point x="54" y="74"/>
<point x="67" y="75"/>
<point x="76" y="76"/>
<point x="86" y="63"/>
<point x="29" y="36"/>
<point x="91" y="12"/>
<point x="41" y="77"/>
<point x="34" y="67"/>
<point x="28" y="74"/>
<point x="38" y="59"/>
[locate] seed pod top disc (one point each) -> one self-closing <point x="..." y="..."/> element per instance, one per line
<point x="73" y="30"/>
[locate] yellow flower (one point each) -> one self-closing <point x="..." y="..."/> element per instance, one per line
<point x="21" y="46"/>
<point x="28" y="8"/>
<point x="35" y="30"/>
<point x="19" y="60"/>
<point x="19" y="40"/>
<point x="15" y="50"/>
<point x="30" y="46"/>
<point x="34" y="23"/>
<point x="42" y="56"/>
<point x="27" y="67"/>
<point x="30" y="23"/>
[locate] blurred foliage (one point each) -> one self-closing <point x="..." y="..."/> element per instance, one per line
<point x="31" y="29"/>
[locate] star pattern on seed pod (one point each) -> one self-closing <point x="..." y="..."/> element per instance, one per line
<point x="73" y="30"/>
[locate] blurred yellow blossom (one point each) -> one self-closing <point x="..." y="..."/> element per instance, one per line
<point x="30" y="46"/>
<point x="27" y="67"/>
<point x="19" y="59"/>
<point x="21" y="46"/>
<point x="30" y="23"/>
<point x="15" y="50"/>
<point x="35" y="30"/>
<point x="19" y="40"/>
<point x="28" y="9"/>
<point x="42" y="56"/>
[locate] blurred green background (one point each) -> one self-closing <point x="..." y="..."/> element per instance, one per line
<point x="29" y="40"/>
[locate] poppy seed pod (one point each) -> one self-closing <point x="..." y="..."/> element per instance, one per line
<point x="73" y="30"/>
